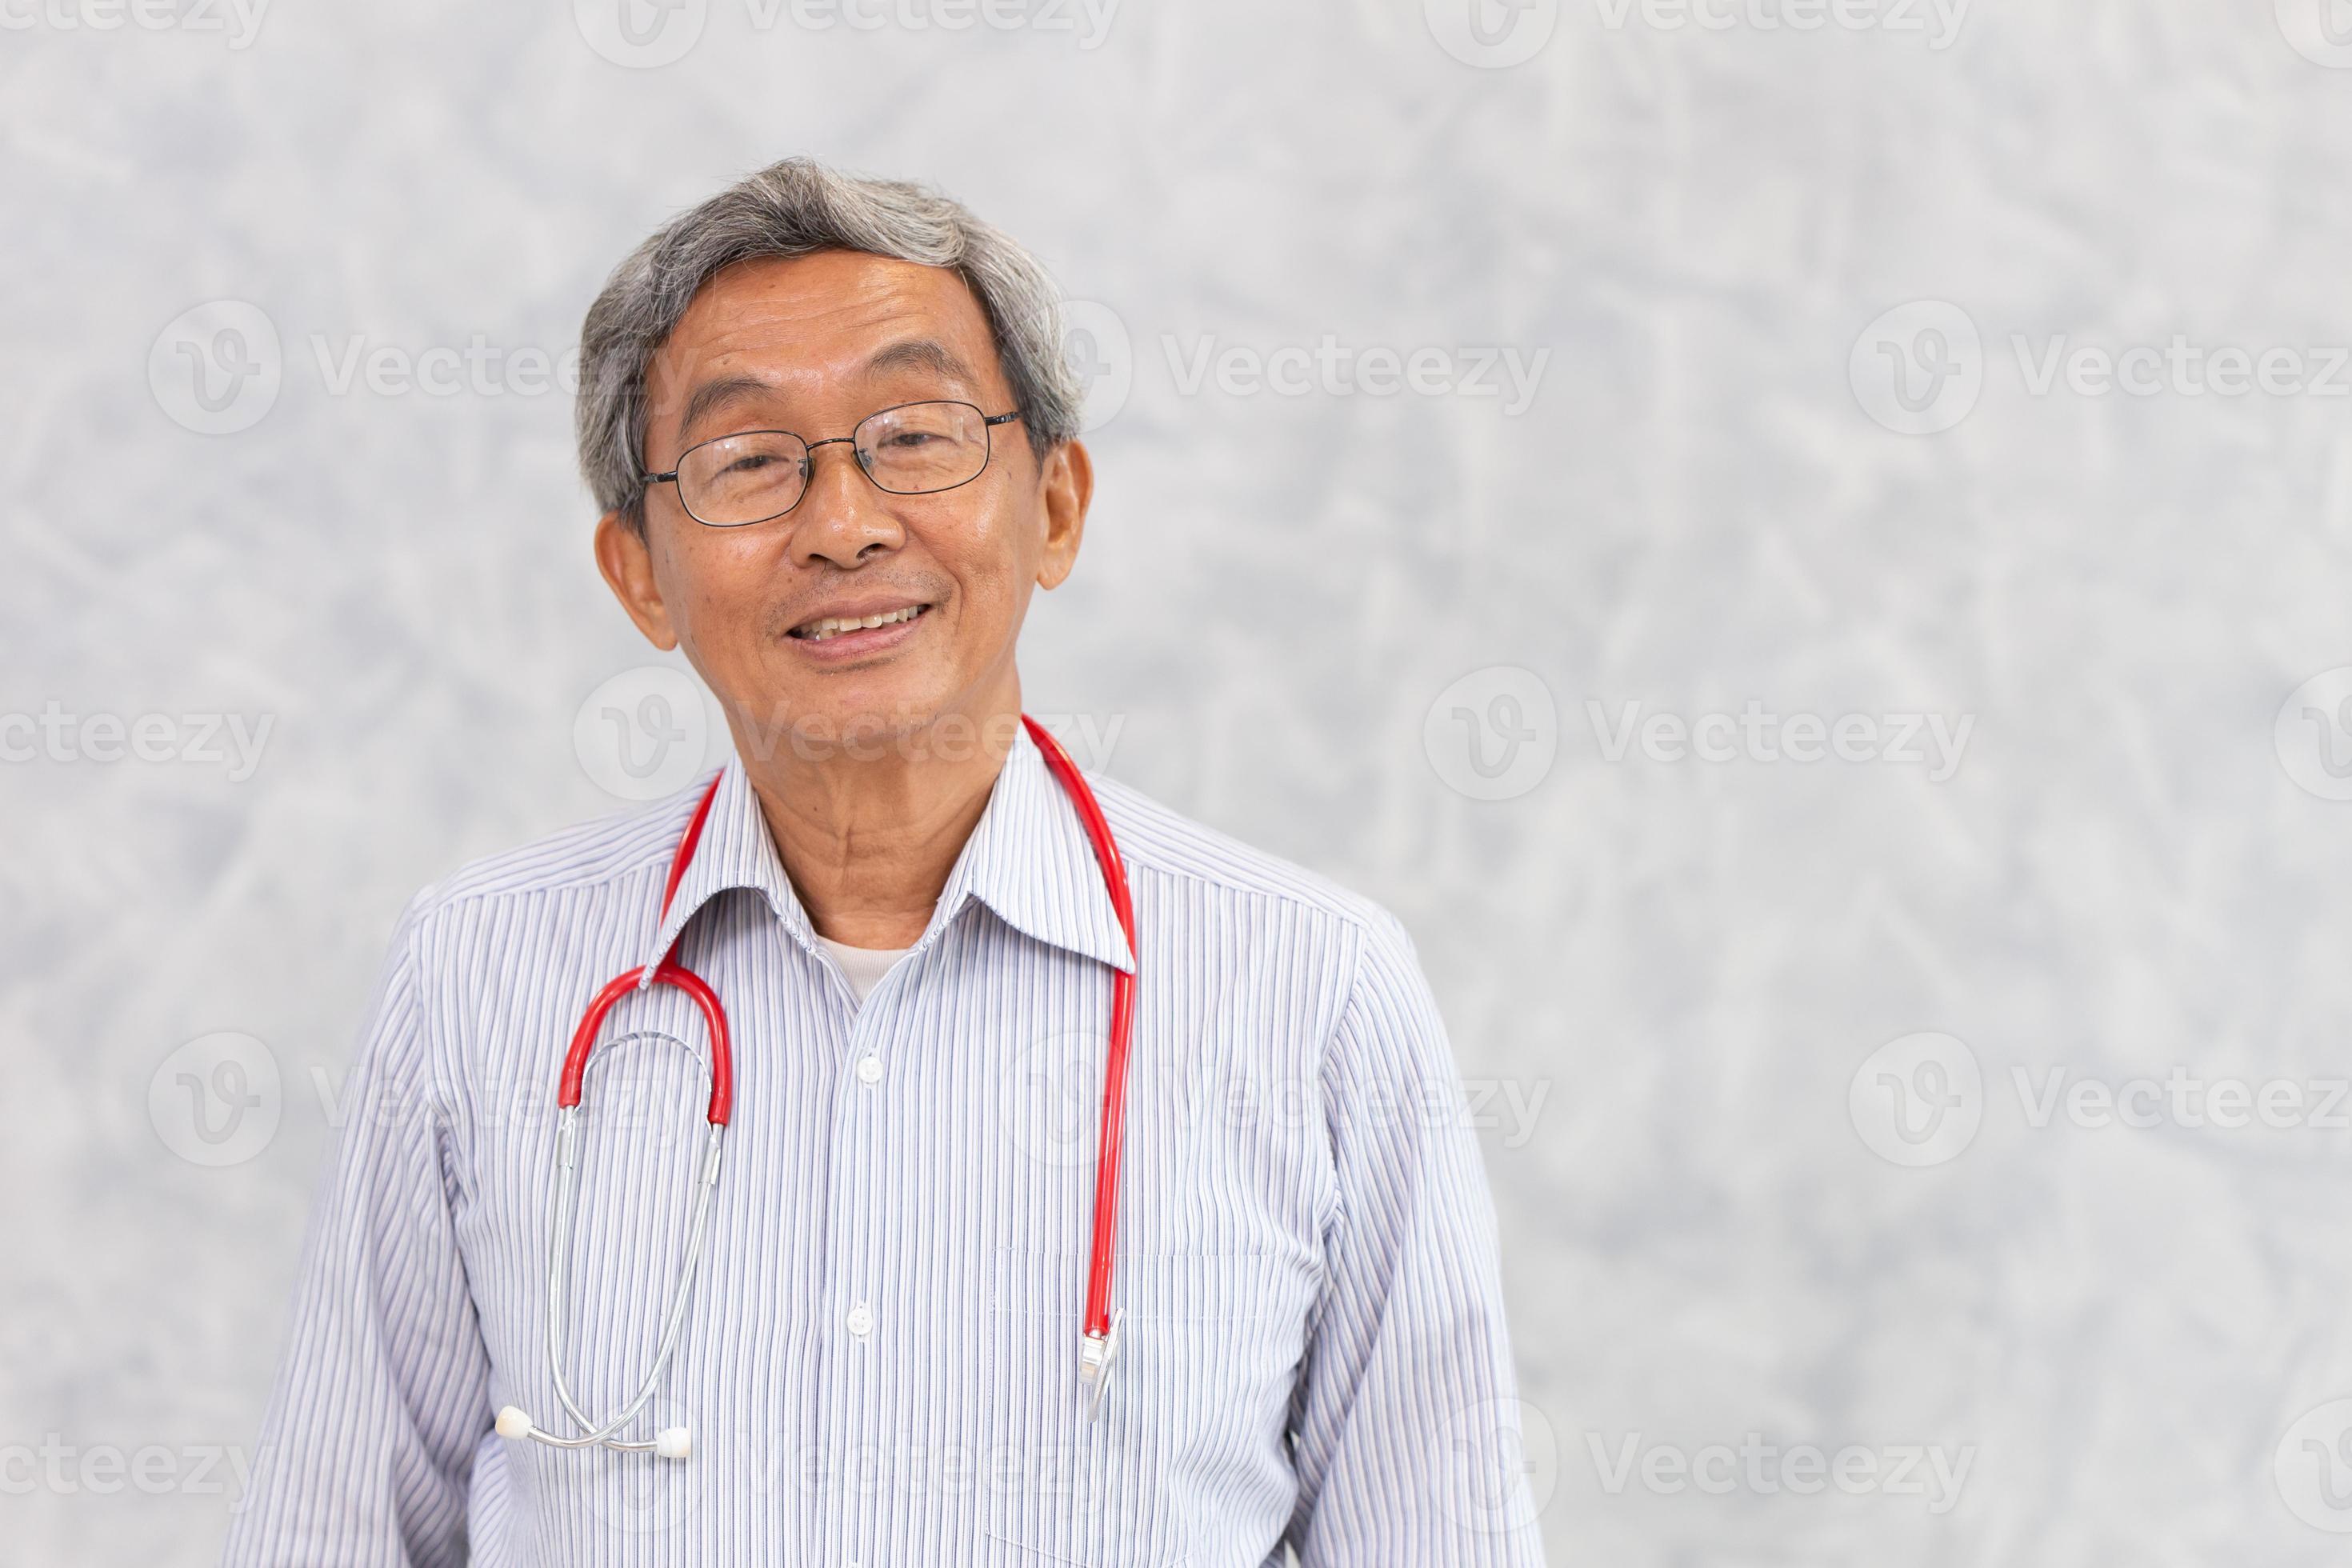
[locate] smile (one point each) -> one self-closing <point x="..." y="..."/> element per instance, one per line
<point x="826" y="628"/>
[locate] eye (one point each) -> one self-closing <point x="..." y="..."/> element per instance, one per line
<point x="751" y="463"/>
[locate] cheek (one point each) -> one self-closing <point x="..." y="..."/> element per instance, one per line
<point x="992" y="556"/>
<point x="715" y="588"/>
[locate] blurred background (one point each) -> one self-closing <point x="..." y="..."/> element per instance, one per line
<point x="1804" y="546"/>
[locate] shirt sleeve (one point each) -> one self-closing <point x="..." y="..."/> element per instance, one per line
<point x="367" y="1450"/>
<point x="1406" y="1431"/>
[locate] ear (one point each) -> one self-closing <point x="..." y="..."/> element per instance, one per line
<point x="1068" y="482"/>
<point x="627" y="562"/>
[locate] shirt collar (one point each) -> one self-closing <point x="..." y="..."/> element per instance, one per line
<point x="1028" y="859"/>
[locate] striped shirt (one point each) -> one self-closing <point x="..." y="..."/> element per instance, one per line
<point x="880" y="1361"/>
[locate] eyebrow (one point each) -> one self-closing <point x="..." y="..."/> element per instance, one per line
<point x="715" y="395"/>
<point x="922" y="353"/>
<point x="912" y="353"/>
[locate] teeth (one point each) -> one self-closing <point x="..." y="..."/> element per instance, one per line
<point x="833" y="626"/>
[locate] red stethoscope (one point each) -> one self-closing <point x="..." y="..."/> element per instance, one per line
<point x="1098" y="1345"/>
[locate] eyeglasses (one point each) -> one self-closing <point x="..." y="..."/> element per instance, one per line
<point x="915" y="448"/>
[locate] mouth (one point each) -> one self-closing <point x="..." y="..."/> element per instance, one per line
<point x="865" y="632"/>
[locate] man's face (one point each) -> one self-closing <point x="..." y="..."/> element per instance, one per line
<point x="813" y="346"/>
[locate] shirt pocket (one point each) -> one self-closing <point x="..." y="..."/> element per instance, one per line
<point x="1207" y="1357"/>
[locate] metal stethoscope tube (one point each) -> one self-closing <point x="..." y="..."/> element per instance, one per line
<point x="672" y="1443"/>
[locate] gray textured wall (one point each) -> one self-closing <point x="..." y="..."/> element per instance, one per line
<point x="1365" y="630"/>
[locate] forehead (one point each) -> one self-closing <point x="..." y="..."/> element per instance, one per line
<point x="834" y="321"/>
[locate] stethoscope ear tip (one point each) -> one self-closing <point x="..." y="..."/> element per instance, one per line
<point x="674" y="1443"/>
<point x="514" y="1422"/>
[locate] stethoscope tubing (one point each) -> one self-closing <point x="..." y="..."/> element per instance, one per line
<point x="1100" y="1326"/>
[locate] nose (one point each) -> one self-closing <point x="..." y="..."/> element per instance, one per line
<point x="842" y="518"/>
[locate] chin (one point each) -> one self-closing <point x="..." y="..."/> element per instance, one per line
<point x="863" y="720"/>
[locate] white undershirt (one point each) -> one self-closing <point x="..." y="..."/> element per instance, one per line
<point x="864" y="966"/>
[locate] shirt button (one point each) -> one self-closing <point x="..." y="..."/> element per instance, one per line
<point x="861" y="1319"/>
<point x="869" y="1069"/>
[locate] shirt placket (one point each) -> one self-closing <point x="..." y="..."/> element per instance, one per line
<point x="857" y="1331"/>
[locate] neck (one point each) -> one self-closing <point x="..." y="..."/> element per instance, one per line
<point x="868" y="840"/>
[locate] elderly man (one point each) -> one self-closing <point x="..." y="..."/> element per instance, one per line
<point x="919" y="1313"/>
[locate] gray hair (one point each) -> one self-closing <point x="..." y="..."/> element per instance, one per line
<point x="794" y="208"/>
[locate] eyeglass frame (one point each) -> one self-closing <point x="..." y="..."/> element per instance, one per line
<point x="988" y="422"/>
